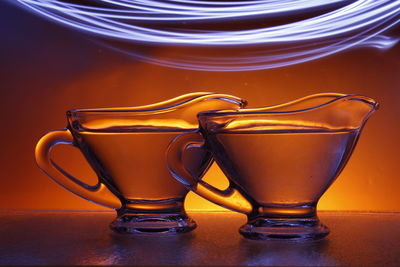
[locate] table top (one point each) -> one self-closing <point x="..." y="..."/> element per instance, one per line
<point x="83" y="238"/>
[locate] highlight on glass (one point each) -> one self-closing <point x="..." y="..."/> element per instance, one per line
<point x="279" y="160"/>
<point x="126" y="149"/>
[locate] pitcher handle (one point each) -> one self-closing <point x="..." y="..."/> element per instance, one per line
<point x="229" y="198"/>
<point x="98" y="193"/>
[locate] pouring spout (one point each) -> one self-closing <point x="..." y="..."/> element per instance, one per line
<point x="359" y="108"/>
<point x="319" y="112"/>
<point x="331" y="111"/>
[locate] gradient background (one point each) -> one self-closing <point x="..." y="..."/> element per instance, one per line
<point x="46" y="69"/>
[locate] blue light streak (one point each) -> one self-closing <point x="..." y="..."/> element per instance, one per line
<point x="353" y="24"/>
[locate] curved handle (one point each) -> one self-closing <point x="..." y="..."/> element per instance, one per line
<point x="99" y="193"/>
<point x="229" y="198"/>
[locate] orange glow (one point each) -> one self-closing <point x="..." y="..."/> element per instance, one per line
<point x="368" y="182"/>
<point x="171" y="123"/>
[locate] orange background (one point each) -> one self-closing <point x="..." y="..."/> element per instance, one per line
<point x="47" y="69"/>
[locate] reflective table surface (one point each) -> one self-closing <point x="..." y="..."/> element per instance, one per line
<point x="83" y="238"/>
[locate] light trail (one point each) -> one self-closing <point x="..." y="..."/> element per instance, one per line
<point x="350" y="24"/>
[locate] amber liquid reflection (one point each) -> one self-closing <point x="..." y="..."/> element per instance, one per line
<point x="286" y="168"/>
<point x="134" y="162"/>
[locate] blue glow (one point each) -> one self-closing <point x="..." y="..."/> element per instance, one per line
<point x="352" y="24"/>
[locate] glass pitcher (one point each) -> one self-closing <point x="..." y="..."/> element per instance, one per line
<point x="279" y="160"/>
<point x="126" y="148"/>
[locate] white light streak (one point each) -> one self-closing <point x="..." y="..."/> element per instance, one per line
<point x="352" y="24"/>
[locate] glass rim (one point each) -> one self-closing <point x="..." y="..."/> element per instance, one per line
<point x="160" y="107"/>
<point x="263" y="110"/>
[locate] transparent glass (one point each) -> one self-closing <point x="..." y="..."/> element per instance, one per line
<point x="279" y="160"/>
<point x="126" y="148"/>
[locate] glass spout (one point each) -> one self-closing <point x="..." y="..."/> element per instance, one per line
<point x="319" y="112"/>
<point x="171" y="115"/>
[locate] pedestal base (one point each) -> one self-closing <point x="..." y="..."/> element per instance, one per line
<point x="153" y="224"/>
<point x="286" y="229"/>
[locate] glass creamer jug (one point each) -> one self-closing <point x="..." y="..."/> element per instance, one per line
<point x="126" y="148"/>
<point x="279" y="160"/>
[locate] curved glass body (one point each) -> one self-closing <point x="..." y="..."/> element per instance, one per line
<point x="279" y="160"/>
<point x="126" y="147"/>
